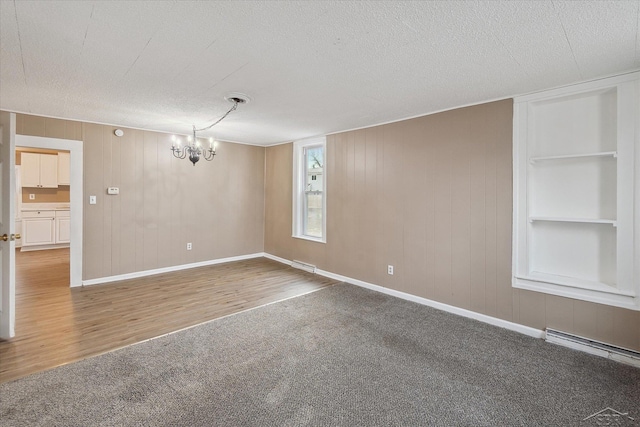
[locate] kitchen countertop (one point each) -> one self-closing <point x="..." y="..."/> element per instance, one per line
<point x="30" y="207"/>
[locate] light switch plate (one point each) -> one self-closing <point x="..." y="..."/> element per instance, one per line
<point x="92" y="200"/>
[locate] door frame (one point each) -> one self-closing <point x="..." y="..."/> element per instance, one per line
<point x="75" y="194"/>
<point x="7" y="261"/>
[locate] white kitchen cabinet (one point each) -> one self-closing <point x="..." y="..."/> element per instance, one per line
<point x="39" y="170"/>
<point x="30" y="169"/>
<point x="64" y="168"/>
<point x="38" y="228"/>
<point x="63" y="227"/>
<point x="574" y="191"/>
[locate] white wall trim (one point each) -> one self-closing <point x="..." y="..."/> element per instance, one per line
<point x="277" y="258"/>
<point x="145" y="273"/>
<point x="126" y="127"/>
<point x="43" y="247"/>
<point x="526" y="330"/>
<point x="473" y="104"/>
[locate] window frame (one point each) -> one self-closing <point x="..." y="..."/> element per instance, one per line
<point x="299" y="191"/>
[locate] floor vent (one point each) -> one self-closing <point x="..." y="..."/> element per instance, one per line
<point x="597" y="348"/>
<point x="303" y="266"/>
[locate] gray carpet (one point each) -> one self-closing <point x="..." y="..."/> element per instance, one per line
<point x="341" y="356"/>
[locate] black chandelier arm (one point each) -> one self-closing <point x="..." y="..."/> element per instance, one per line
<point x="180" y="153"/>
<point x="209" y="154"/>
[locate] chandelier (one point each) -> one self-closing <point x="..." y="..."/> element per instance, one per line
<point x="193" y="150"/>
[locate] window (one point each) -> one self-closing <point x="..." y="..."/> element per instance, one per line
<point x="309" y="194"/>
<point x="575" y="192"/>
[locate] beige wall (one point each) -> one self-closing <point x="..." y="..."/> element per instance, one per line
<point x="163" y="202"/>
<point x="46" y="195"/>
<point x="433" y="197"/>
<point x="43" y="195"/>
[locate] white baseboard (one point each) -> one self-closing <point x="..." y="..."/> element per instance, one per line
<point x="277" y="258"/>
<point x="42" y="247"/>
<point x="137" y="274"/>
<point x="526" y="330"/>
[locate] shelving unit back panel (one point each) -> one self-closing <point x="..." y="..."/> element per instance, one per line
<point x="584" y="187"/>
<point x="579" y="250"/>
<point x="576" y="124"/>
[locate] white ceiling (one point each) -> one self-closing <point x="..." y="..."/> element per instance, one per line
<point x="310" y="67"/>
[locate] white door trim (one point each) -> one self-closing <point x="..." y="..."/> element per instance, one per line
<point x="75" y="196"/>
<point x="7" y="226"/>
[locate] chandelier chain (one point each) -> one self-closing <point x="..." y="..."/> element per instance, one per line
<point x="235" y="105"/>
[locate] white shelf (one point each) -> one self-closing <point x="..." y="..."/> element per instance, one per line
<point x="573" y="282"/>
<point x="613" y="154"/>
<point x="583" y="220"/>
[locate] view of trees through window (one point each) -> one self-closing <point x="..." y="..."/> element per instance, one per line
<point x="314" y="189"/>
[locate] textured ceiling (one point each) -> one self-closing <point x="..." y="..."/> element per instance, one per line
<point x="310" y="67"/>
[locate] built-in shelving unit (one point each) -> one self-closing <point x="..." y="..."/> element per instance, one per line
<point x="575" y="150"/>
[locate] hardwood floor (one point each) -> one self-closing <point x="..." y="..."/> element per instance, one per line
<point x="56" y="325"/>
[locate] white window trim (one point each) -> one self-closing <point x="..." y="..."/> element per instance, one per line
<point x="298" y="186"/>
<point x="628" y="293"/>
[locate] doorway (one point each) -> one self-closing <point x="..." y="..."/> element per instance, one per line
<point x="42" y="215"/>
<point x="73" y="217"/>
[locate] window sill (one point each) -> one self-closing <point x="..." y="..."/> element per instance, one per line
<point x="311" y="239"/>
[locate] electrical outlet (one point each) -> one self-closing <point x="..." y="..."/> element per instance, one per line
<point x="32" y="196"/>
<point x="189" y="246"/>
<point x="390" y="269"/>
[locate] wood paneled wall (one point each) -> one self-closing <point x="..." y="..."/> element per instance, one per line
<point x="164" y="202"/>
<point x="431" y="196"/>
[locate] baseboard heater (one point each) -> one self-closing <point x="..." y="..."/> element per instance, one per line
<point x="303" y="266"/>
<point x="597" y="348"/>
